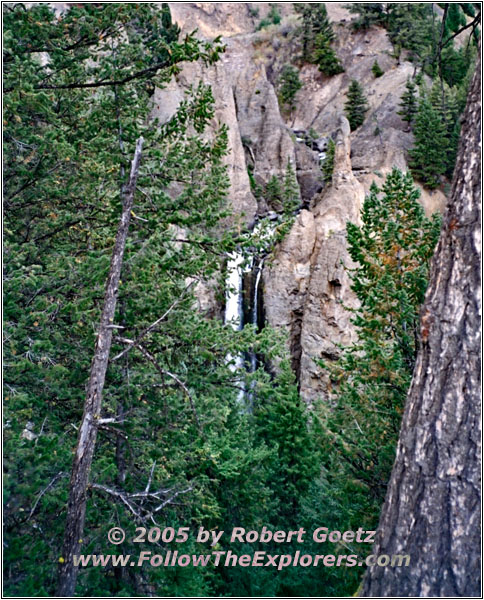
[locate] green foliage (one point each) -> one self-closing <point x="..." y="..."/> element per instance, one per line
<point x="410" y="26"/>
<point x="282" y="193"/>
<point x="78" y="93"/>
<point x="317" y="34"/>
<point x="325" y="57"/>
<point x="455" y="19"/>
<point x="328" y="163"/>
<point x="288" y="86"/>
<point x="356" y="105"/>
<point x="70" y="130"/>
<point x="456" y="64"/>
<point x="273" y="18"/>
<point x="416" y="27"/>
<point x="428" y="157"/>
<point x="376" y="69"/>
<point x="368" y="14"/>
<point x="282" y="423"/>
<point x="408" y="103"/>
<point x="392" y="250"/>
<point x="273" y="192"/>
<point x="291" y="196"/>
<point x="274" y="15"/>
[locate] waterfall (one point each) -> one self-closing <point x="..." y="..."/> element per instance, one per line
<point x="234" y="314"/>
<point x="263" y="235"/>
<point x="233" y="294"/>
<point x="254" y="305"/>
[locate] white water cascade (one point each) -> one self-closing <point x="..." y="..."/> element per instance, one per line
<point x="263" y="236"/>
<point x="234" y="311"/>
<point x="254" y="306"/>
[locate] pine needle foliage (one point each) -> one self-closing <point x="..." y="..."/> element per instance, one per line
<point x="409" y="103"/>
<point x="289" y="85"/>
<point x="316" y="33"/>
<point x="392" y="250"/>
<point x="79" y="91"/>
<point x="356" y="105"/>
<point x="429" y="155"/>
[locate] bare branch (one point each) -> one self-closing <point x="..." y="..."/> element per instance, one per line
<point x="163" y="372"/>
<point x="148" y="485"/>
<point x="153" y="326"/>
<point x="185" y="491"/>
<point x="103" y="83"/>
<point x="53" y="481"/>
<point x="472" y="24"/>
<point x="131" y="500"/>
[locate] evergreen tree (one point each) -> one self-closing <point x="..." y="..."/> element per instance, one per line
<point x="376" y="69"/>
<point x="356" y="105"/>
<point x="317" y="35"/>
<point x="456" y="64"/>
<point x="306" y="29"/>
<point x="428" y="157"/>
<point x="283" y="423"/>
<point x="273" y="193"/>
<point x="325" y="57"/>
<point x="369" y="13"/>
<point x="289" y="85"/>
<point x="408" y="104"/>
<point x="446" y="103"/>
<point x="71" y="126"/>
<point x="321" y="24"/>
<point x="328" y="164"/>
<point x="392" y="250"/>
<point x="410" y="26"/>
<point x="291" y="195"/>
<point x="455" y="19"/>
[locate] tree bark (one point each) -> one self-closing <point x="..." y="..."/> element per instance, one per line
<point x="76" y="507"/>
<point x="432" y="507"/>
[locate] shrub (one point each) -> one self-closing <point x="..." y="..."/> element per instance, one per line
<point x="376" y="69"/>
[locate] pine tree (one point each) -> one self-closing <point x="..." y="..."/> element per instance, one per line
<point x="455" y="19"/>
<point x="325" y="57"/>
<point x="410" y="26"/>
<point x="70" y="135"/>
<point x="356" y="105"/>
<point x="273" y="193"/>
<point x="392" y="250"/>
<point x="317" y="35"/>
<point x="291" y="195"/>
<point x="376" y="69"/>
<point x="369" y="14"/>
<point x="428" y="157"/>
<point x="282" y="421"/>
<point x="408" y="104"/>
<point x="306" y="29"/>
<point x="321" y="23"/>
<point x="456" y="64"/>
<point x="289" y="85"/>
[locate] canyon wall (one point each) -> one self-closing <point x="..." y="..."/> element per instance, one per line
<point x="305" y="285"/>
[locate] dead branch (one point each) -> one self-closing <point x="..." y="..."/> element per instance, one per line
<point x="163" y="372"/>
<point x="134" y="502"/>
<point x="53" y="481"/>
<point x="153" y="326"/>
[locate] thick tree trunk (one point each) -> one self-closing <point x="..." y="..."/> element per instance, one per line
<point x="76" y="507"/>
<point x="432" y="508"/>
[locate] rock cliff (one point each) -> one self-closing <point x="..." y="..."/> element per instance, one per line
<point x="305" y="285"/>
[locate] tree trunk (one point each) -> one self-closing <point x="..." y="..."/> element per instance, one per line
<point x="76" y="507"/>
<point x="432" y="508"/>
